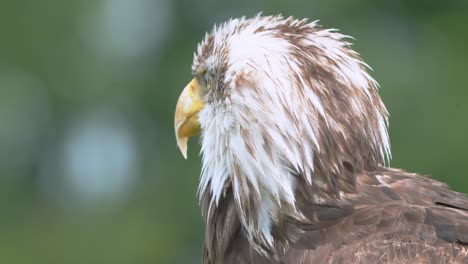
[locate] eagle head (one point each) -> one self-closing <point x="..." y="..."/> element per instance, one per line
<point x="282" y="105"/>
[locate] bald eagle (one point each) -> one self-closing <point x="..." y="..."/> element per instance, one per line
<point x="295" y="149"/>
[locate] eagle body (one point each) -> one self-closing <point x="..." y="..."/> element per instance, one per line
<point x="393" y="217"/>
<point x="294" y="152"/>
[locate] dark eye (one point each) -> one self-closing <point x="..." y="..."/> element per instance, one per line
<point x="206" y="77"/>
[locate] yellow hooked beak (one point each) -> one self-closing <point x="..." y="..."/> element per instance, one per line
<point x="186" y="115"/>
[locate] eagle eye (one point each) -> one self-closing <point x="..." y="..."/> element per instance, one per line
<point x="205" y="77"/>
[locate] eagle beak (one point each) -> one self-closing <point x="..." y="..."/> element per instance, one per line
<point x="186" y="115"/>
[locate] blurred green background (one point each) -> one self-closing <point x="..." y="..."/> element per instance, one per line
<point x="89" y="169"/>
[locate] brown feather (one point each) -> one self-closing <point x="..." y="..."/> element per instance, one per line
<point x="402" y="223"/>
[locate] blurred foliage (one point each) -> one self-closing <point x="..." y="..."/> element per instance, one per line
<point x="66" y="66"/>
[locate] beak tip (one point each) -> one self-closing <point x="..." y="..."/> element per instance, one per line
<point x="184" y="154"/>
<point x="182" y="144"/>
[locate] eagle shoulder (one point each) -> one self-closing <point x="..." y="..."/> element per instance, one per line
<point x="396" y="217"/>
<point x="392" y="217"/>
